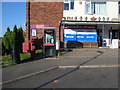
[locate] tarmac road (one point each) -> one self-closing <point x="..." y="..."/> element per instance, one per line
<point x="106" y="77"/>
<point x="89" y="77"/>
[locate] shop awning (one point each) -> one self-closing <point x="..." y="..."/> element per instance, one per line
<point x="71" y="22"/>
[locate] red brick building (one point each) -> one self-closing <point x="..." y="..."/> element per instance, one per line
<point x="44" y="13"/>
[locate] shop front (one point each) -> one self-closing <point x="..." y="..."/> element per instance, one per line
<point x="78" y="34"/>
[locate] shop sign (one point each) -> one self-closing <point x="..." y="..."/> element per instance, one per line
<point x="80" y="27"/>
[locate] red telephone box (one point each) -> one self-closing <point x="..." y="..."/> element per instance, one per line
<point x="49" y="42"/>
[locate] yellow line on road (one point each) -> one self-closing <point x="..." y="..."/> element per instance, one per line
<point x="98" y="66"/>
<point x="90" y="66"/>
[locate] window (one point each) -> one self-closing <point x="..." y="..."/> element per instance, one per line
<point x="72" y="4"/>
<point x="65" y="0"/>
<point x="115" y="34"/>
<point x="119" y="7"/>
<point x="88" y="8"/>
<point x="68" y="4"/>
<point x="96" y="8"/>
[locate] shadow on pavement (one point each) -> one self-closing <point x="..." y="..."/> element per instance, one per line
<point x="38" y="57"/>
<point x="37" y="88"/>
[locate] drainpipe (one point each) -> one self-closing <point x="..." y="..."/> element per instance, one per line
<point x="32" y="53"/>
<point x="28" y="21"/>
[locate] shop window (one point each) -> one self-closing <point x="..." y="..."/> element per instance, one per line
<point x="96" y="8"/>
<point x="115" y="34"/>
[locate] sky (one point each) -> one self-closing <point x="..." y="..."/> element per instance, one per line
<point x="13" y="13"/>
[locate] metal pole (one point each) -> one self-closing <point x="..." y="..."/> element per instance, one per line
<point x="110" y="35"/>
<point x="31" y="52"/>
<point x="103" y="27"/>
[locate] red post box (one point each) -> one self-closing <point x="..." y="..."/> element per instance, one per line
<point x="25" y="47"/>
<point x="32" y="45"/>
<point x="29" y="47"/>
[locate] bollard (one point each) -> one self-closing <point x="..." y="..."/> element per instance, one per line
<point x="15" y="55"/>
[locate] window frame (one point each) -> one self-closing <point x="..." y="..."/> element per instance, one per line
<point x="92" y="8"/>
<point x="119" y="7"/>
<point x="67" y="7"/>
<point x="70" y="3"/>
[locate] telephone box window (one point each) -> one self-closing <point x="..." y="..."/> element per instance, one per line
<point x="49" y="37"/>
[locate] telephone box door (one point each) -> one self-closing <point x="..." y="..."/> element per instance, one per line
<point x="49" y="42"/>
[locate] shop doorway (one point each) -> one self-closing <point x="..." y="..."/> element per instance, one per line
<point x="115" y="34"/>
<point x="99" y="37"/>
<point x="114" y="38"/>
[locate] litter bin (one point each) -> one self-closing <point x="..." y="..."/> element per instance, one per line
<point x="16" y="55"/>
<point x="104" y="43"/>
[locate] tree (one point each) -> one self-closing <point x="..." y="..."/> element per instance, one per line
<point x="13" y="38"/>
<point x="20" y="37"/>
<point x="6" y="40"/>
<point x="4" y="50"/>
<point x="17" y="37"/>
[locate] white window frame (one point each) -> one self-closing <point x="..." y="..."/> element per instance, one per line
<point x="90" y="12"/>
<point x="69" y="2"/>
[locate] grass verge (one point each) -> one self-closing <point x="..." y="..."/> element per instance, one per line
<point x="6" y="60"/>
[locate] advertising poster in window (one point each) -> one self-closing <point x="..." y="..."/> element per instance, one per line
<point x="80" y="35"/>
<point x="34" y="32"/>
<point x="69" y="35"/>
<point x="86" y="35"/>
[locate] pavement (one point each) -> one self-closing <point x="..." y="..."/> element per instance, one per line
<point x="73" y="57"/>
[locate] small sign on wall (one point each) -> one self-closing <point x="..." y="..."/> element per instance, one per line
<point x="39" y="26"/>
<point x="34" y="32"/>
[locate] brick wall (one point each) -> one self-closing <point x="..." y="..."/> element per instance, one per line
<point x="80" y="44"/>
<point x="45" y="13"/>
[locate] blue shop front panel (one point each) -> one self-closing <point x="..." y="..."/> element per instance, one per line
<point x="70" y="37"/>
<point x="80" y="35"/>
<point x="87" y="37"/>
